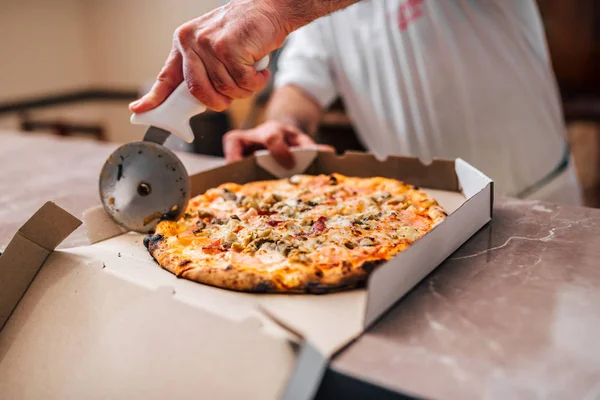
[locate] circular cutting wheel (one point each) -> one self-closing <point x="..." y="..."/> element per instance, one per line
<point x="142" y="183"/>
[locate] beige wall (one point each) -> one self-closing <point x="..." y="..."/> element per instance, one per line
<point x="131" y="39"/>
<point x="42" y="46"/>
<point x="50" y="46"/>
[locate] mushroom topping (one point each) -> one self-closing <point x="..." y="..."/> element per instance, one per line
<point x="228" y="195"/>
<point x="367" y="242"/>
<point x="229" y="239"/>
<point x="272" y="199"/>
<point x="205" y="214"/>
<point x="380" y="197"/>
<point x="396" y="200"/>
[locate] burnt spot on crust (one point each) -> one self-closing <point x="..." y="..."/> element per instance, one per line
<point x="229" y="267"/>
<point x="415" y="187"/>
<point x="184" y="263"/>
<point x="346" y="266"/>
<point x="263" y="287"/>
<point x="318" y="273"/>
<point x="369" y="266"/>
<point x="317" y="288"/>
<point x="152" y="242"/>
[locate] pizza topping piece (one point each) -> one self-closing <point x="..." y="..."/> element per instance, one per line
<point x="368" y="241"/>
<point x="249" y="214"/>
<point x="228" y="195"/>
<point x="229" y="239"/>
<point x="350" y="245"/>
<point x="295" y="180"/>
<point x="271" y="199"/>
<point x="319" y="225"/>
<point x="266" y="212"/>
<point x="380" y="197"/>
<point x="205" y="214"/>
<point x="247" y="202"/>
<point x="200" y="225"/>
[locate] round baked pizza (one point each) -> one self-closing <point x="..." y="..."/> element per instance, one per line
<point x="305" y="234"/>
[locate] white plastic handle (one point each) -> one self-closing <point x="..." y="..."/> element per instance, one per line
<point x="175" y="113"/>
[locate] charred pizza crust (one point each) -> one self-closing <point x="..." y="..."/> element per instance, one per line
<point x="306" y="234"/>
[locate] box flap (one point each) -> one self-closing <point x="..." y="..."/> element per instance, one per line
<point x="49" y="226"/>
<point x="81" y="332"/>
<point x="100" y="226"/>
<point x="304" y="157"/>
<point x="327" y="321"/>
<point x="439" y="174"/>
<point x="27" y="251"/>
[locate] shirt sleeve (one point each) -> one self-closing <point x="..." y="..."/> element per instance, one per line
<point x="305" y="62"/>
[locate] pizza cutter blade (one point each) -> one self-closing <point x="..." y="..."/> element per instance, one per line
<point x="143" y="182"/>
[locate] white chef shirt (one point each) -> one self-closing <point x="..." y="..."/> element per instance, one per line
<point x="439" y="78"/>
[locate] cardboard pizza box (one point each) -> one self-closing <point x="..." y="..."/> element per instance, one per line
<point x="311" y="327"/>
<point x="74" y="326"/>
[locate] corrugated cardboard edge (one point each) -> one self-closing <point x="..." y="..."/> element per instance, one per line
<point x="27" y="252"/>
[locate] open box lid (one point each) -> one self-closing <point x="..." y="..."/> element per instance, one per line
<point x="76" y="329"/>
<point x="331" y="321"/>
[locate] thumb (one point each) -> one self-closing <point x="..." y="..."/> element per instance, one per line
<point x="279" y="149"/>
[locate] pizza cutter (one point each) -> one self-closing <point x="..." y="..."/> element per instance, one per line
<point x="143" y="182"/>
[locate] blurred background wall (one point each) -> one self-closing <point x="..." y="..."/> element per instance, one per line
<point x="70" y="67"/>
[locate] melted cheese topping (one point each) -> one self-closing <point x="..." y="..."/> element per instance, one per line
<point x="323" y="222"/>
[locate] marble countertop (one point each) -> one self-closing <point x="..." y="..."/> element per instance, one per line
<point x="513" y="314"/>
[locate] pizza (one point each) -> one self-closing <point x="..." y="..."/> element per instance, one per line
<point x="305" y="234"/>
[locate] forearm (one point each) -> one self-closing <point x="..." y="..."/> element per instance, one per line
<point x="295" y="14"/>
<point x="290" y="105"/>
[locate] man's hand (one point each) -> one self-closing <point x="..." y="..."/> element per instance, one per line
<point x="272" y="135"/>
<point x="215" y="55"/>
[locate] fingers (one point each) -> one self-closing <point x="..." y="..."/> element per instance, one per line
<point x="299" y="139"/>
<point x="199" y="84"/>
<point x="246" y="76"/>
<point x="223" y="82"/>
<point x="233" y="146"/>
<point x="279" y="149"/>
<point x="272" y="135"/>
<point x="169" y="78"/>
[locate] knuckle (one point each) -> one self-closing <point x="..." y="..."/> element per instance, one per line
<point x="231" y="135"/>
<point x="183" y="33"/>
